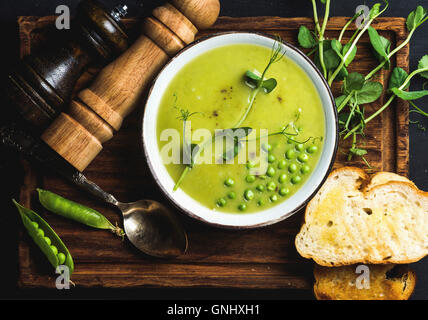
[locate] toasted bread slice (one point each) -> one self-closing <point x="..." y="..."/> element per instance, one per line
<point x="354" y="220"/>
<point x="387" y="282"/>
<point x="385" y="177"/>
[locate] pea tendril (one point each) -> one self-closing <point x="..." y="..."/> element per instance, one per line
<point x="276" y="55"/>
<point x="257" y="83"/>
<point x="332" y="58"/>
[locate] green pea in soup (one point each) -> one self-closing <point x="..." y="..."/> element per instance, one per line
<point x="281" y="123"/>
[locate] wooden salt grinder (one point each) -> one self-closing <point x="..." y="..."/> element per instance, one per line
<point x="99" y="110"/>
<point x="41" y="84"/>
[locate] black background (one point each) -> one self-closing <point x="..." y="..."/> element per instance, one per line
<point x="11" y="176"/>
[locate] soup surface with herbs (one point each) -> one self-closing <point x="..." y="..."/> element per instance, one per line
<point x="276" y="128"/>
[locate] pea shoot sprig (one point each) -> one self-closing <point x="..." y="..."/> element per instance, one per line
<point x="258" y="83"/>
<point x="321" y="31"/>
<point x="415" y="19"/>
<point x="398" y="83"/>
<point x="192" y="151"/>
<point x="349" y="53"/>
<point x="333" y="58"/>
<point x="236" y="134"/>
<point x="289" y="131"/>
<point x="188" y="147"/>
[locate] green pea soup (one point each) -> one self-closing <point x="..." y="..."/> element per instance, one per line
<point x="213" y="90"/>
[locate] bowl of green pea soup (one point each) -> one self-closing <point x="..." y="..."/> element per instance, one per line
<point x="240" y="130"/>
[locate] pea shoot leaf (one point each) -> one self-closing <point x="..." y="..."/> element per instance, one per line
<point x="423" y="63"/>
<point x="339" y="100"/>
<point x="381" y="47"/>
<point x="343" y="73"/>
<point x="234" y="132"/>
<point x="409" y="95"/>
<point x="351" y="56"/>
<point x="251" y="76"/>
<point x="370" y="92"/>
<point x="253" y="80"/>
<point x="194" y="149"/>
<point x="233" y="151"/>
<point x="269" y="85"/>
<point x="358" y="151"/>
<point x="416" y="18"/>
<point x="305" y="38"/>
<point x="190" y="153"/>
<point x="337" y="47"/>
<point x="330" y="57"/>
<point x="398" y="76"/>
<point x="343" y="116"/>
<point x="342" y="51"/>
<point x="235" y="135"/>
<point x="354" y="81"/>
<point x="375" y="10"/>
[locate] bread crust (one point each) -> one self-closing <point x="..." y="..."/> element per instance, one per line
<point x="339" y="283"/>
<point x="366" y="189"/>
<point x="387" y="177"/>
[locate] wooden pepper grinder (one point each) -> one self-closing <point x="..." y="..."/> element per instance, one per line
<point x="99" y="110"/>
<point x="41" y="84"/>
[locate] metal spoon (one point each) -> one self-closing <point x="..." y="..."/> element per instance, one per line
<point x="149" y="225"/>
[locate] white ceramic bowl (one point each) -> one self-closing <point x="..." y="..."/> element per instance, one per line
<point x="188" y="204"/>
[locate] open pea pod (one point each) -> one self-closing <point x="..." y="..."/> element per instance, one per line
<point x="28" y="216"/>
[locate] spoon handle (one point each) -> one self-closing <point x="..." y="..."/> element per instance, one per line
<point x="81" y="181"/>
<point x="36" y="150"/>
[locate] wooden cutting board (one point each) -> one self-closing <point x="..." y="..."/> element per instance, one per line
<point x="262" y="258"/>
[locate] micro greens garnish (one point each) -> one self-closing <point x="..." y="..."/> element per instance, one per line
<point x="237" y="134"/>
<point x="289" y="135"/>
<point x="189" y="149"/>
<point x="374" y="13"/>
<point x="333" y="58"/>
<point x="398" y="83"/>
<point x="321" y="31"/>
<point x="257" y="83"/>
<point x="185" y="114"/>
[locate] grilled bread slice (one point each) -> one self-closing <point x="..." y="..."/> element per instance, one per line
<point x="353" y="220"/>
<point x="385" y="177"/>
<point x="387" y="282"/>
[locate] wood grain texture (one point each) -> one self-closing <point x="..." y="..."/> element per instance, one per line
<point x="118" y="88"/>
<point x="89" y="119"/>
<point x="162" y="36"/>
<point x="176" y="21"/>
<point x="202" y="14"/>
<point x="262" y="258"/>
<point x="62" y="135"/>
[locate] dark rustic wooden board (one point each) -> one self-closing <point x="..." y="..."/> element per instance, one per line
<point x="262" y="258"/>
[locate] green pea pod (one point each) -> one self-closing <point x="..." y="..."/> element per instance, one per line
<point x="77" y="212"/>
<point x="28" y="216"/>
